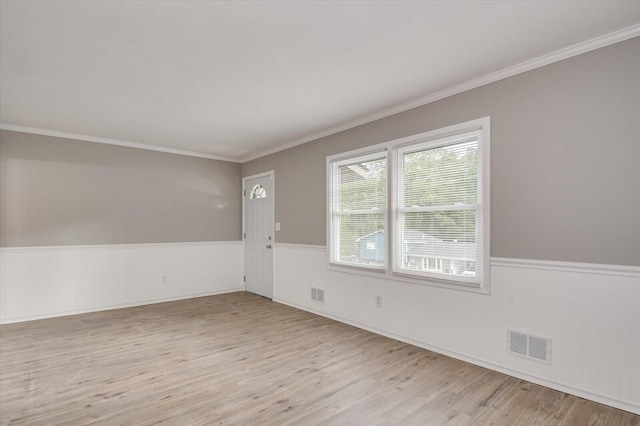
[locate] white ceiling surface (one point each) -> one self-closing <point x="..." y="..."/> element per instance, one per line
<point x="237" y="79"/>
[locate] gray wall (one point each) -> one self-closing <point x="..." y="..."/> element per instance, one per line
<point x="56" y="191"/>
<point x="565" y="160"/>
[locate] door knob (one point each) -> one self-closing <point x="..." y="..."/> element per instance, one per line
<point x="268" y="245"/>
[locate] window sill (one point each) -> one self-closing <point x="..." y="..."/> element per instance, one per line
<point x="483" y="288"/>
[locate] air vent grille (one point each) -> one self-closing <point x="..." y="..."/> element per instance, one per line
<point x="528" y="346"/>
<point x="538" y="348"/>
<point x="518" y="343"/>
<point x="317" y="294"/>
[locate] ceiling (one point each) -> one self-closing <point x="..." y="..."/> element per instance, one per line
<point x="235" y="80"/>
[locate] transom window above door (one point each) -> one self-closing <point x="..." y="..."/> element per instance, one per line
<point x="258" y="191"/>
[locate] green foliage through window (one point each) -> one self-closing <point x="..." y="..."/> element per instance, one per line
<point x="431" y="218"/>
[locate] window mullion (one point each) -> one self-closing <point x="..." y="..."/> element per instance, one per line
<point x="431" y="211"/>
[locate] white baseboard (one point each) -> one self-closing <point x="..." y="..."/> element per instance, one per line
<point x="45" y="282"/>
<point x="588" y="310"/>
<point x="562" y="387"/>
<point x="117" y="306"/>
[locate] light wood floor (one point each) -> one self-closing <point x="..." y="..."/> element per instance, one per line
<point x="241" y="359"/>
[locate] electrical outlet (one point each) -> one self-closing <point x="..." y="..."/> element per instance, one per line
<point x="378" y="300"/>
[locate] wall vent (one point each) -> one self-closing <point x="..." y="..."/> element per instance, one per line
<point x="317" y="294"/>
<point x="528" y="346"/>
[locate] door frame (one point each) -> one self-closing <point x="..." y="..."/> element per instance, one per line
<point x="273" y="217"/>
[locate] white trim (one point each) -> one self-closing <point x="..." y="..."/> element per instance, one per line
<point x="289" y="246"/>
<point x="244" y="181"/>
<point x="586" y="268"/>
<point x="117" y="306"/>
<point x="95" y="139"/>
<point x="593" y="396"/>
<point x="44" y="282"/>
<point x="552" y="265"/>
<point x="333" y="162"/>
<point x="392" y="150"/>
<point x="258" y="175"/>
<point x="436" y="139"/>
<point x="273" y="232"/>
<point x="115" y="246"/>
<point x="531" y="64"/>
<point x="409" y="279"/>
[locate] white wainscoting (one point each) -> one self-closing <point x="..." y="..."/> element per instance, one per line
<point x="590" y="311"/>
<point x="43" y="282"/>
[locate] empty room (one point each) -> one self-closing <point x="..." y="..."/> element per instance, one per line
<point x="319" y="212"/>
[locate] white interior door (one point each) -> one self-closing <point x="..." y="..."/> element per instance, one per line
<point x="258" y="228"/>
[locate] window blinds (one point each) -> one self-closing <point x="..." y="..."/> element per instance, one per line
<point x="437" y="209"/>
<point x="359" y="211"/>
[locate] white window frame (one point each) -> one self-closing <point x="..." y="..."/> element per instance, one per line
<point x="422" y="145"/>
<point x="482" y="283"/>
<point x="333" y="231"/>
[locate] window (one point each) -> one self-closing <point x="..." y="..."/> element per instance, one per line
<point x="258" y="191"/>
<point x="437" y="221"/>
<point x="438" y="209"/>
<point x="358" y="205"/>
<point x="431" y="263"/>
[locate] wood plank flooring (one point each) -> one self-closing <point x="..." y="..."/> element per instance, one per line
<point x="239" y="359"/>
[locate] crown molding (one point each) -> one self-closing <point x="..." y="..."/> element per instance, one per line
<point x="87" y="138"/>
<point x="531" y="64"/>
<point x="547" y="59"/>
